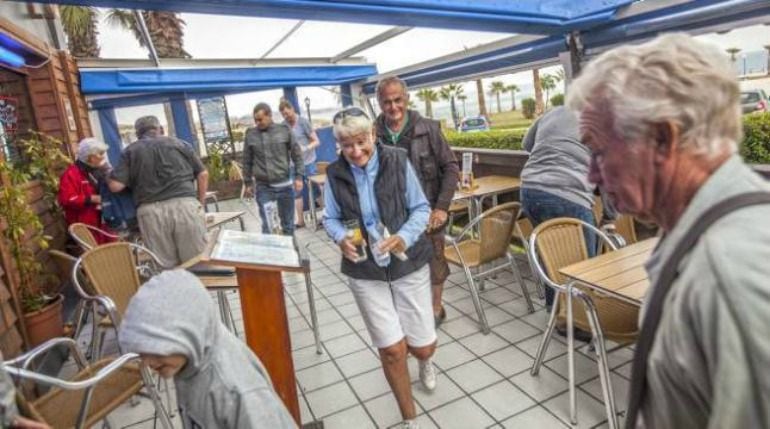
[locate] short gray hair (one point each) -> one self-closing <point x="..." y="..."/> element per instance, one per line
<point x="352" y="126"/>
<point x="146" y="124"/>
<point x="264" y="107"/>
<point x="90" y="146"/>
<point x="390" y="80"/>
<point x="671" y="78"/>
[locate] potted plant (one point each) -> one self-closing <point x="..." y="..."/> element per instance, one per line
<point x="221" y="176"/>
<point x="23" y="232"/>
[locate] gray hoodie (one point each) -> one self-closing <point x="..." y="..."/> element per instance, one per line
<point x="223" y="384"/>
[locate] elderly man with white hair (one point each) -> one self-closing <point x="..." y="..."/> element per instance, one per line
<point x="663" y="122"/>
<point x="79" y="186"/>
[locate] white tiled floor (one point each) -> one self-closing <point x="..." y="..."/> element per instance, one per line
<point x="483" y="381"/>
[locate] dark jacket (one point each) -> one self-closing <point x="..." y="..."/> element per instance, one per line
<point x="390" y="188"/>
<point x="267" y="155"/>
<point x="430" y="155"/>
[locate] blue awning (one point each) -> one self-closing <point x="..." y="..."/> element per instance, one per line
<point x="512" y="16"/>
<point x="224" y="80"/>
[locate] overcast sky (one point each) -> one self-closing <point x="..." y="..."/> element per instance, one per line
<point x="212" y="36"/>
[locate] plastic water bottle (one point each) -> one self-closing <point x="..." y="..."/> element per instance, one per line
<point x="376" y="231"/>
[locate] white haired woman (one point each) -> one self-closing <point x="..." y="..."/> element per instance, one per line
<point x="663" y="123"/>
<point x="376" y="188"/>
<point x="79" y="186"/>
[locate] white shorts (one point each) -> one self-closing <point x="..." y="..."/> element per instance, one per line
<point x="402" y="309"/>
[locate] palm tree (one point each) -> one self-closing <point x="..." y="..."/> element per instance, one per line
<point x="79" y="23"/>
<point x="538" y="92"/>
<point x="548" y="83"/>
<point x="480" y="95"/>
<point x="496" y="88"/>
<point x="513" y="89"/>
<point x="166" y="30"/>
<point x="428" y="96"/>
<point x="450" y="92"/>
<point x="463" y="97"/>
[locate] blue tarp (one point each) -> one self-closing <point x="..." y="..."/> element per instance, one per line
<point x="511" y="16"/>
<point x="128" y="81"/>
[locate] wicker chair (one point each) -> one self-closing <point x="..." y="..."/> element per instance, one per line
<point x="558" y="243"/>
<point x="66" y="263"/>
<point x="88" y="397"/>
<point x="321" y="166"/>
<point x="521" y="232"/>
<point x="83" y="234"/>
<point x="495" y="228"/>
<point x="458" y="208"/>
<point x="114" y="275"/>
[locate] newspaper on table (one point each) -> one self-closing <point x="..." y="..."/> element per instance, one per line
<point x="255" y="248"/>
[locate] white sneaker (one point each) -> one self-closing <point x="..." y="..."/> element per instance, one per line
<point x="428" y="374"/>
<point x="410" y="424"/>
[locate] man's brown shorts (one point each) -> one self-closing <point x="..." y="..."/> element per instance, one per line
<point x="439" y="269"/>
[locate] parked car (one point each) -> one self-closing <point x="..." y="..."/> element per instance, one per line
<point x="474" y="123"/>
<point x="754" y="100"/>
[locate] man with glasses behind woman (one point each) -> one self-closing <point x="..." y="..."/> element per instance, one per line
<point x="373" y="198"/>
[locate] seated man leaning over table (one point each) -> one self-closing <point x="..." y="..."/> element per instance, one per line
<point x="375" y="184"/>
<point x="663" y="123"/>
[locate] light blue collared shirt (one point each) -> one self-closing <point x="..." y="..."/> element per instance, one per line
<point x="417" y="204"/>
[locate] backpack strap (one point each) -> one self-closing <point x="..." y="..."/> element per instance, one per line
<point x="670" y="271"/>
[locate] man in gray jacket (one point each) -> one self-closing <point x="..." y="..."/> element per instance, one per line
<point x="268" y="153"/>
<point x="663" y="123"/>
<point x="220" y="383"/>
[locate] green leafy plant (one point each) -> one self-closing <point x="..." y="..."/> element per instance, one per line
<point x="755" y="147"/>
<point x="43" y="160"/>
<point x="557" y="100"/>
<point x="217" y="166"/>
<point x="494" y="139"/>
<point x="528" y="108"/>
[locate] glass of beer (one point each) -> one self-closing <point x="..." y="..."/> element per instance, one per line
<point x="353" y="233"/>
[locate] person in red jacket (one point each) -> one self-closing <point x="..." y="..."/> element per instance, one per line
<point x="79" y="190"/>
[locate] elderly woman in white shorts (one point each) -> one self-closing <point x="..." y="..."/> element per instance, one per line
<point x="376" y="188"/>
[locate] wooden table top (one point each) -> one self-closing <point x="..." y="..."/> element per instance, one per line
<point x="490" y="185"/>
<point x="216" y="219"/>
<point x="620" y="273"/>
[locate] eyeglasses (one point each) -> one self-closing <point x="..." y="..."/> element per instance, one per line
<point x="348" y="112"/>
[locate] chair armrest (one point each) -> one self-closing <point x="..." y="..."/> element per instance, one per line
<point x="25" y="359"/>
<point x="73" y="385"/>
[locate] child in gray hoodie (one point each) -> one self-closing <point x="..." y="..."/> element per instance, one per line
<point x="173" y="324"/>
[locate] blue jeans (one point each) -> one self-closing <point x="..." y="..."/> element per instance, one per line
<point x="284" y="197"/>
<point x="541" y="206"/>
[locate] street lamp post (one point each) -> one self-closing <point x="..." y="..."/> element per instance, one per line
<point x="307" y="107"/>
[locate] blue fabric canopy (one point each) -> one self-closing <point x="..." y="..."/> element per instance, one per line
<point x="511" y="16"/>
<point x="224" y="80"/>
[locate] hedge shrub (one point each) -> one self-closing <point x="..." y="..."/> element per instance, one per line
<point x="493" y="139"/>
<point x="557" y="100"/>
<point x="755" y="148"/>
<point x="528" y="107"/>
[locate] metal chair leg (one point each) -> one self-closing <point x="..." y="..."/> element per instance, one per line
<point x="603" y="364"/>
<point x="543" y="347"/>
<point x="313" y="315"/>
<point x="165" y="420"/>
<point x="571" y="357"/>
<point x="477" y="301"/>
<point x="518" y="278"/>
<point x="230" y="316"/>
<point x="222" y="302"/>
<point x="538" y="282"/>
